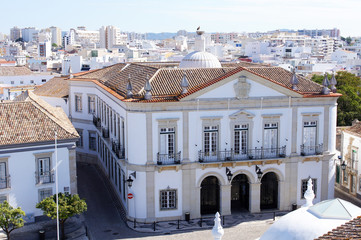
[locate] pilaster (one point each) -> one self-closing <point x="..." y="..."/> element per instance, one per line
<point x="226" y="199"/>
<point x="255" y="197"/>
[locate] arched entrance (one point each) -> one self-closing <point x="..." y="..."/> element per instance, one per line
<point x="240" y="193"/>
<point x="269" y="191"/>
<point x="210" y="195"/>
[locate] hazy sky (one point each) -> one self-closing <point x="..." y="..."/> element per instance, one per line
<point x="171" y="15"/>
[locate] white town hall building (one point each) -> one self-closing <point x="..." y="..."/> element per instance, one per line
<point x="193" y="136"/>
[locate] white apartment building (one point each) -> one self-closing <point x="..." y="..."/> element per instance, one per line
<point x="111" y="36"/>
<point x="29" y="34"/>
<point x="343" y="56"/>
<point x="44" y="49"/>
<point x="15" y="33"/>
<point x="28" y="155"/>
<point x="56" y="35"/>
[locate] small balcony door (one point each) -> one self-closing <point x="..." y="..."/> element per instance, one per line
<point x="309" y="136"/>
<point x="210" y="141"/>
<point x="270" y="139"/>
<point x="240" y="140"/>
<point x="44" y="170"/>
<point x="167" y="142"/>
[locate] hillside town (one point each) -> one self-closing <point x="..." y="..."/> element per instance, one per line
<point x="177" y="128"/>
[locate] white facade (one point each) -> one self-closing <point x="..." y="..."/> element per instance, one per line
<point x="289" y="138"/>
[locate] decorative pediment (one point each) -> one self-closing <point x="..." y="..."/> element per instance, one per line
<point x="241" y="114"/>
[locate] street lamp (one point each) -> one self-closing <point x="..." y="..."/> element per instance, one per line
<point x="130" y="180"/>
<point x="259" y="173"/>
<point x="229" y="174"/>
<point x="343" y="165"/>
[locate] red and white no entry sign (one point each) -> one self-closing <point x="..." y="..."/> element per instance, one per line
<point x="130" y="195"/>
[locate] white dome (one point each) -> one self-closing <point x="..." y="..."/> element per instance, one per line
<point x="312" y="222"/>
<point x="200" y="60"/>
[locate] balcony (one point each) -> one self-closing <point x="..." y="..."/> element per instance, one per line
<point x="5" y="182"/>
<point x="105" y="132"/>
<point x="44" y="177"/>
<point x="168" y="159"/>
<point x="311" y="150"/>
<point x="97" y="122"/>
<point x="118" y="149"/>
<point x="250" y="154"/>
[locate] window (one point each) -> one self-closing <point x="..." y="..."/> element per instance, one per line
<point x="304" y="187"/>
<point x="168" y="199"/>
<point x="91" y="104"/>
<point x="210" y="140"/>
<point x="31" y="81"/>
<point x="241" y="139"/>
<point x="78" y="103"/>
<point x="3" y="198"/>
<point x="3" y="176"/>
<point x="92" y="141"/>
<point x="309" y="137"/>
<point x="44" y="175"/>
<point x="43" y="80"/>
<point x="345" y="176"/>
<point x="167" y="138"/>
<point x="21" y="82"/>
<point x="44" y="193"/>
<point x="79" y="143"/>
<point x="353" y="158"/>
<point x="12" y="82"/>
<point x="270" y="139"/>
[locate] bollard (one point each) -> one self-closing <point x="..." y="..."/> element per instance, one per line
<point x="41" y="234"/>
<point x="134" y="223"/>
<point x="154" y="226"/>
<point x="201" y="222"/>
<point x="224" y="222"/>
<point x="274" y="216"/>
<point x="178" y="224"/>
<point x="86" y="230"/>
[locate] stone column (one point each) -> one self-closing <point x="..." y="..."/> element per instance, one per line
<point x="72" y="170"/>
<point x="255" y="197"/>
<point x="150" y="195"/>
<point x="149" y="136"/>
<point x="225" y="207"/>
<point x="283" y="204"/>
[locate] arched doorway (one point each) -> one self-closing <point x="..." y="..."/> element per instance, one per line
<point x="210" y="195"/>
<point x="240" y="193"/>
<point x="269" y="191"/>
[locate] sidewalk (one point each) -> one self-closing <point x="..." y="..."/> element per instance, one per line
<point x="204" y="223"/>
<point x="74" y="229"/>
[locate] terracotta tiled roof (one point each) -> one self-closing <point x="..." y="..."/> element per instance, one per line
<point x="14" y="71"/>
<point x="55" y="87"/>
<point x="349" y="230"/>
<point x="33" y="121"/>
<point x="165" y="81"/>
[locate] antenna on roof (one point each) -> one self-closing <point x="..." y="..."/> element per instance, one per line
<point x="184" y="84"/>
<point x="129" y="88"/>
<point x="294" y="80"/>
<point x="147" y="88"/>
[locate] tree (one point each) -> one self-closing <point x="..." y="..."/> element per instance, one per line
<point x="10" y="218"/>
<point x="349" y="108"/>
<point x="54" y="45"/>
<point x="69" y="205"/>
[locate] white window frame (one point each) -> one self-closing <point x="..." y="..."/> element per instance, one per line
<point x="91" y="104"/>
<point x="167" y="127"/>
<point x="5" y="179"/>
<point x="94" y="147"/>
<point x="78" y="102"/>
<point x="166" y="201"/>
<point x="47" y="156"/>
<point x="211" y="125"/>
<point x="42" y="195"/>
<point x="3" y="198"/>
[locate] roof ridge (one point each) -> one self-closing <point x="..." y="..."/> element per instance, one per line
<point x="45" y="108"/>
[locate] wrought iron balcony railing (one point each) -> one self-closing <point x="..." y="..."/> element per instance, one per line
<point x="105" y="132"/>
<point x="5" y="182"/>
<point x="250" y="154"/>
<point x="118" y="149"/>
<point x="311" y="150"/>
<point x="96" y="121"/>
<point x="168" y="159"/>
<point x="44" y="177"/>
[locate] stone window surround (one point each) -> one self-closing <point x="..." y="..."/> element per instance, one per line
<point x="95" y="142"/>
<point x="43" y="155"/>
<point x="88" y="101"/>
<point x="44" y="189"/>
<point x="212" y="121"/>
<point x="78" y="108"/>
<point x="311" y="117"/>
<point x="6" y="161"/>
<point x="271" y="118"/>
<point x="168" y="123"/>
<point x="175" y="200"/>
<point x="242" y="118"/>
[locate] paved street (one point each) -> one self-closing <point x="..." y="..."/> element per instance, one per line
<point x="105" y="223"/>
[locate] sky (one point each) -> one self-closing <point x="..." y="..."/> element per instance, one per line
<point x="171" y="16"/>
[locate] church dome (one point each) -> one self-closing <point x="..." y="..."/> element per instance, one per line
<point x="200" y="59"/>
